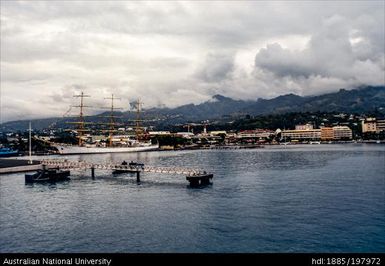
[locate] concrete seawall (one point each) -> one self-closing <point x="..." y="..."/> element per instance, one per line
<point x="19" y="169"/>
<point x="8" y="166"/>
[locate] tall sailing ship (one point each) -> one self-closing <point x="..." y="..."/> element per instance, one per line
<point x="115" y="143"/>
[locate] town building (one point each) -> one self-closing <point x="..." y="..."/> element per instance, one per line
<point x="380" y="125"/>
<point x="257" y="134"/>
<point x="327" y="133"/>
<point x="369" y="125"/>
<point x="342" y="133"/>
<point x="304" y="127"/>
<point x="308" y="134"/>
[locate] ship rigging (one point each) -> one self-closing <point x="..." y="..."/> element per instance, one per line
<point x="110" y="146"/>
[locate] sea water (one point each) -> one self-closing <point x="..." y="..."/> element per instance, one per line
<point x="295" y="198"/>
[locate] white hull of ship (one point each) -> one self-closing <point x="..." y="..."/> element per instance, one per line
<point x="90" y="150"/>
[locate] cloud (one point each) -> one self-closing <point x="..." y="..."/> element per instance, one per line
<point x="173" y="53"/>
<point x="330" y="59"/>
<point x="216" y="67"/>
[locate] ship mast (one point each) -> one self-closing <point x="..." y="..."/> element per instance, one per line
<point x="112" y="116"/>
<point x="30" y="144"/>
<point x="138" y="129"/>
<point x="81" y="128"/>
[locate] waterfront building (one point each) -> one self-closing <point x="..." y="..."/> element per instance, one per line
<point x="231" y="137"/>
<point x="327" y="133"/>
<point x="369" y="125"/>
<point x="308" y="134"/>
<point x="304" y="127"/>
<point x="257" y="134"/>
<point x="380" y="125"/>
<point x="342" y="133"/>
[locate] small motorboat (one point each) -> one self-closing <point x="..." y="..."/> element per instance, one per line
<point x="131" y="167"/>
<point x="48" y="175"/>
<point x="199" y="179"/>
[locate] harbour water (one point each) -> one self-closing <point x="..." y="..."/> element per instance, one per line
<point x="300" y="198"/>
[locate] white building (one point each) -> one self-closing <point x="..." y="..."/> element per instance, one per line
<point x="304" y="127"/>
<point x="257" y="133"/>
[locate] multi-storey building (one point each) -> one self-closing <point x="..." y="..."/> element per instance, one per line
<point x="369" y="125"/>
<point x="308" y="134"/>
<point x="257" y="133"/>
<point x="304" y="127"/>
<point x="380" y="125"/>
<point x="327" y="133"/>
<point x="342" y="133"/>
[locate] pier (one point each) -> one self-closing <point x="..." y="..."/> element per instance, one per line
<point x="194" y="176"/>
<point x="8" y="166"/>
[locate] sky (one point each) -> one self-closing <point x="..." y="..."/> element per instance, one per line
<point x="170" y="53"/>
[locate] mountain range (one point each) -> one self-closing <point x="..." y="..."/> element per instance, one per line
<point x="360" y="101"/>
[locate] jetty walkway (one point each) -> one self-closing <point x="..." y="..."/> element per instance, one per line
<point x="194" y="176"/>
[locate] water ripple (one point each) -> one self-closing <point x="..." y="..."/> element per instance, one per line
<point x="315" y="198"/>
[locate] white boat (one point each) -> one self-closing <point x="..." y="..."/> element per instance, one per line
<point x="89" y="149"/>
<point x="116" y="143"/>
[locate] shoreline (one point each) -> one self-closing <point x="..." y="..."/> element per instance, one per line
<point x="9" y="166"/>
<point x="213" y="147"/>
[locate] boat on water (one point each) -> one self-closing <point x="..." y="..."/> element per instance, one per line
<point x="199" y="179"/>
<point x="47" y="175"/>
<point x="8" y="152"/>
<point x="112" y="143"/>
<point x="131" y="167"/>
<point x="89" y="149"/>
